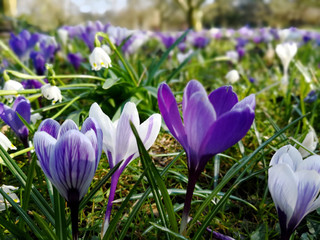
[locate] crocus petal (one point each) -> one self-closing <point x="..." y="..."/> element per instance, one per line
<point x="90" y="125"/>
<point x="288" y="155"/>
<point x="227" y="131"/>
<point x="308" y="190"/>
<point x="67" y="126"/>
<point x="283" y="186"/>
<point x="24" y="109"/>
<point x="310" y="163"/>
<point x="72" y="163"/>
<point x="44" y="144"/>
<point x="124" y="136"/>
<point x="170" y="113"/>
<point x="192" y="87"/>
<point x="50" y="126"/>
<point x="244" y="103"/>
<point x="223" y="99"/>
<point x="108" y="129"/>
<point x="198" y="118"/>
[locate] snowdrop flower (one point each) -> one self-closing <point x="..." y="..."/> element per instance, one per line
<point x="310" y="142"/>
<point x="120" y="144"/>
<point x="99" y="58"/>
<point x="51" y="93"/>
<point x="286" y="52"/>
<point x="8" y="190"/>
<point x="12" y="85"/>
<point x="5" y="142"/>
<point x="63" y="35"/>
<point x="294" y="185"/>
<point x="35" y="117"/>
<point x="233" y="76"/>
<point x="106" y="48"/>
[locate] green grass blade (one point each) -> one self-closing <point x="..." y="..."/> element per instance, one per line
<point x="13" y="229"/>
<point x="23" y="215"/>
<point x="27" y="191"/>
<point x="49" y="234"/>
<point x="22" y="178"/>
<point x="164" y="229"/>
<point x="143" y="198"/>
<point x="30" y="128"/>
<point x="155" y="66"/>
<point x="60" y="218"/>
<point x="153" y="173"/>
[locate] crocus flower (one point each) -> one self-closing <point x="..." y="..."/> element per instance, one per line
<point x="120" y="144"/>
<point x="9" y="191"/>
<point x="211" y="125"/>
<point x="310" y="142"/>
<point x="23" y="43"/>
<point x="75" y="59"/>
<point x="51" y="93"/>
<point x="39" y="62"/>
<point x="294" y="185"/>
<point x="286" y="52"/>
<point x="99" y="58"/>
<point x="12" y="85"/>
<point x="233" y="76"/>
<point x="69" y="158"/>
<point x="5" y="142"/>
<point x="10" y="117"/>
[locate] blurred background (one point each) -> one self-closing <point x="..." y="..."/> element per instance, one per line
<point x="163" y="15"/>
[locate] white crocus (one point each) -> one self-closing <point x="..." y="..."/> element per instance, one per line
<point x="5" y="142"/>
<point x="286" y="51"/>
<point x="294" y="185"/>
<point x="233" y="56"/>
<point x="310" y="142"/>
<point x="12" y="85"/>
<point x="51" y="93"/>
<point x="183" y="56"/>
<point x="120" y="144"/>
<point x="99" y="58"/>
<point x="233" y="76"/>
<point x="8" y="190"/>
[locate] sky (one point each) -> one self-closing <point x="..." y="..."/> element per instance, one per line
<point x="99" y="6"/>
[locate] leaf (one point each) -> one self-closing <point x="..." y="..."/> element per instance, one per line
<point x="110" y="82"/>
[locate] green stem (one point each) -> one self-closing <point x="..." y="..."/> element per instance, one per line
<point x="114" y="48"/>
<point x="15" y="58"/>
<point x="13" y="155"/>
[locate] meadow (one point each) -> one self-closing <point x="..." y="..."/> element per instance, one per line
<point x="186" y="125"/>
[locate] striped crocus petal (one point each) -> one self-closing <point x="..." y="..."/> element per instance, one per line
<point x="192" y="87"/>
<point x="50" y="126"/>
<point x="44" y="145"/>
<point x="108" y="130"/>
<point x="67" y="126"/>
<point x="283" y="186"/>
<point x="308" y="190"/>
<point x="170" y="113"/>
<point x="124" y="137"/>
<point x="94" y="133"/>
<point x="72" y="163"/>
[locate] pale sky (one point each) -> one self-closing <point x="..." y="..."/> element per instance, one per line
<point x="99" y="6"/>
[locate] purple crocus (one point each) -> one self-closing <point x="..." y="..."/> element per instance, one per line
<point x="69" y="158"/>
<point x="75" y="59"/>
<point x="23" y="43"/>
<point x="39" y="62"/>
<point x="211" y="124"/>
<point x="9" y="115"/>
<point x="32" y="83"/>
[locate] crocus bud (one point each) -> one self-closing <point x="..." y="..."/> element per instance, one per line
<point x="99" y="58"/>
<point x="310" y="142"/>
<point x="233" y="76"/>
<point x="51" y="93"/>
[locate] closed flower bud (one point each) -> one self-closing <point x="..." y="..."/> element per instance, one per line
<point x="233" y="76"/>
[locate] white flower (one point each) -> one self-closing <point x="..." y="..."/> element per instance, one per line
<point x="99" y="58"/>
<point x="233" y="55"/>
<point x="233" y="76"/>
<point x="106" y="48"/>
<point x="63" y="35"/>
<point x="8" y="190"/>
<point x="5" y="142"/>
<point x="310" y="142"/>
<point x="12" y="85"/>
<point x="294" y="185"/>
<point x="35" y="117"/>
<point x="183" y="56"/>
<point x="51" y="93"/>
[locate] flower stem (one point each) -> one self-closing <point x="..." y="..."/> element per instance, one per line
<point x="187" y="204"/>
<point x="73" y="203"/>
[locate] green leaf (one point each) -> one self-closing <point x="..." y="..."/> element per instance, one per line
<point x="60" y="218"/>
<point x="13" y="229"/>
<point x="156" y="184"/>
<point x="164" y="229"/>
<point x="49" y="234"/>
<point x="110" y="82"/>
